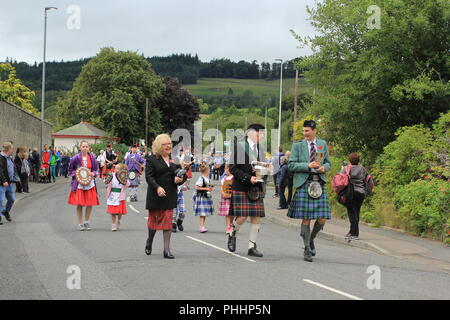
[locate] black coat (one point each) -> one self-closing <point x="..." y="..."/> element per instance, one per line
<point x="158" y="174"/>
<point x="241" y="168"/>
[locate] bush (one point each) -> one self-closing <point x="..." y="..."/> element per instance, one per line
<point x="119" y="148"/>
<point x="424" y="206"/>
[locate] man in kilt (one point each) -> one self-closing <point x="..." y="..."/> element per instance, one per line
<point x="310" y="200"/>
<point x="135" y="163"/>
<point x="244" y="184"/>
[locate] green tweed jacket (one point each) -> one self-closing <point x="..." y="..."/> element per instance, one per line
<point x="299" y="160"/>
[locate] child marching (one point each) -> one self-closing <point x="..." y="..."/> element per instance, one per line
<point x="117" y="192"/>
<point x="226" y="193"/>
<point x="203" y="204"/>
<point x="180" y="211"/>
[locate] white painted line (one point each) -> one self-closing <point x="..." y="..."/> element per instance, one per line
<point x="333" y="290"/>
<point x="133" y="208"/>
<point x="218" y="248"/>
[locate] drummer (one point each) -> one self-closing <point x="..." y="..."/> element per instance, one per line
<point x="111" y="159"/>
<point x="83" y="195"/>
<point x="135" y="164"/>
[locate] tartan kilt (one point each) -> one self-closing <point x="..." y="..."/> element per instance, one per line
<point x="203" y="206"/>
<point x="242" y="206"/>
<point x="180" y="202"/>
<point x="160" y="219"/>
<point x="224" y="207"/>
<point x="304" y="207"/>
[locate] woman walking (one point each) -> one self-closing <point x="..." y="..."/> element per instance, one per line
<point x="83" y="196"/>
<point x="162" y="192"/>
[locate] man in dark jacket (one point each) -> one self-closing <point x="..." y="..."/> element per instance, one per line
<point x="6" y="180"/>
<point x="65" y="165"/>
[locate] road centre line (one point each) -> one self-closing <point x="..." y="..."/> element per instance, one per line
<point x="333" y="290"/>
<point x="133" y="208"/>
<point x="218" y="248"/>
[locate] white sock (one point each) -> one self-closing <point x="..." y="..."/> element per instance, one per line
<point x="254" y="229"/>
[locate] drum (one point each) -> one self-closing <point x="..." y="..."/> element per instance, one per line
<point x="83" y="176"/>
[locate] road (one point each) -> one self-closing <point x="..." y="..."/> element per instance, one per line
<point x="43" y="241"/>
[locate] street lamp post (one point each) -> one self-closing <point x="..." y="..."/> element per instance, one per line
<point x="43" y="75"/>
<point x="279" y="111"/>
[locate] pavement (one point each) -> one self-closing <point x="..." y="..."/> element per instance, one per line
<point x="383" y="240"/>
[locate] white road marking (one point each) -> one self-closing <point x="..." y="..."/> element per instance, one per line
<point x="333" y="290"/>
<point x="133" y="208"/>
<point x="128" y="199"/>
<point x="218" y="248"/>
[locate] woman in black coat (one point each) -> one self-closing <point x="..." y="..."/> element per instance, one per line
<point x="162" y="192"/>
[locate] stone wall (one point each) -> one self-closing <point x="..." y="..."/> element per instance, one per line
<point x="21" y="127"/>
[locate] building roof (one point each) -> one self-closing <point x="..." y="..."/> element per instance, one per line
<point x="82" y="129"/>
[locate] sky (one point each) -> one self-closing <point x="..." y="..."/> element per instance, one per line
<point x="234" y="29"/>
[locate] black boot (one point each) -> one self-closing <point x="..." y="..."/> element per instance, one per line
<point x="180" y="224"/>
<point x="254" y="252"/>
<point x="148" y="248"/>
<point x="232" y="241"/>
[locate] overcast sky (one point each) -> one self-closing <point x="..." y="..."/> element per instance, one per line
<point x="235" y="29"/>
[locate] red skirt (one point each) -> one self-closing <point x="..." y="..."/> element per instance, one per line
<point x="120" y="209"/>
<point x="84" y="197"/>
<point x="160" y="219"/>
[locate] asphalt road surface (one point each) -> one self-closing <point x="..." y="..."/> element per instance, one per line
<point x="42" y="252"/>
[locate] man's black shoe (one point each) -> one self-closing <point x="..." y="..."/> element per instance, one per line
<point x="312" y="248"/>
<point x="180" y="224"/>
<point x="307" y="255"/>
<point x="7" y="216"/>
<point x="232" y="242"/>
<point x="254" y="252"/>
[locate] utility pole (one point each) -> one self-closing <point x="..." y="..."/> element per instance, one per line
<point x="295" y="104"/>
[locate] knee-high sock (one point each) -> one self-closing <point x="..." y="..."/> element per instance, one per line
<point x="254" y="229"/>
<point x="316" y="229"/>
<point x="306" y="235"/>
<point x="166" y="236"/>
<point x="151" y="235"/>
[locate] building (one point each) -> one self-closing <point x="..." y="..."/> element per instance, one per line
<point x="69" y="139"/>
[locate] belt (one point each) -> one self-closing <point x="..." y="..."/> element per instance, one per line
<point x="116" y="190"/>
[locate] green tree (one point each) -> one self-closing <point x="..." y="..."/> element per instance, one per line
<point x="110" y="93"/>
<point x="374" y="81"/>
<point x="12" y="89"/>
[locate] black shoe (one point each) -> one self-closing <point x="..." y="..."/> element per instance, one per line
<point x="254" y="252"/>
<point x="168" y="255"/>
<point x="7" y="216"/>
<point x="312" y="248"/>
<point x="174" y="227"/>
<point x="307" y="256"/>
<point x="148" y="249"/>
<point x="1" y="221"/>
<point x="232" y="242"/>
<point x="180" y="225"/>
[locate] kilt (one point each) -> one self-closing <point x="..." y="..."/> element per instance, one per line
<point x="304" y="207"/>
<point x="120" y="209"/>
<point x="84" y="197"/>
<point x="203" y="206"/>
<point x="160" y="219"/>
<point x="242" y="206"/>
<point x="224" y="207"/>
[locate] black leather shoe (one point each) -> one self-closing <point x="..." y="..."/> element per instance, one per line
<point x="148" y="249"/>
<point x="232" y="242"/>
<point x="174" y="227"/>
<point x="168" y="255"/>
<point x="312" y="248"/>
<point x="307" y="255"/>
<point x="254" y="252"/>
<point x="180" y="225"/>
<point x="7" y="216"/>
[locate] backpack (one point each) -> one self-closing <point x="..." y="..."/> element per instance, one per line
<point x="341" y="180"/>
<point x="368" y="184"/>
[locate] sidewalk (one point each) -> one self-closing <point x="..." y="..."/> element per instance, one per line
<point x="36" y="188"/>
<point x="380" y="240"/>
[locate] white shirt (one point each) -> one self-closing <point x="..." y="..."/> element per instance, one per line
<point x="309" y="144"/>
<point x="200" y="181"/>
<point x="252" y="146"/>
<point x="114" y="197"/>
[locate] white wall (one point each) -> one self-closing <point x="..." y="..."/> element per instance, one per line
<point x="68" y="144"/>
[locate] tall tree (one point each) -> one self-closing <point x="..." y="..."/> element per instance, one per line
<point x="376" y="77"/>
<point x="12" y="89"/>
<point x="110" y="92"/>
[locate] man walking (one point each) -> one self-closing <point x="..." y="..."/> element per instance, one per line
<point x="6" y="181"/>
<point x="309" y="161"/>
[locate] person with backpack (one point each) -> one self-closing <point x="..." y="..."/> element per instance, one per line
<point x="358" y="186"/>
<point x="309" y="160"/>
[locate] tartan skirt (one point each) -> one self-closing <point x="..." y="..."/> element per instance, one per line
<point x="203" y="206"/>
<point x="160" y="219"/>
<point x="304" y="207"/>
<point x="242" y="206"/>
<point x="224" y="207"/>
